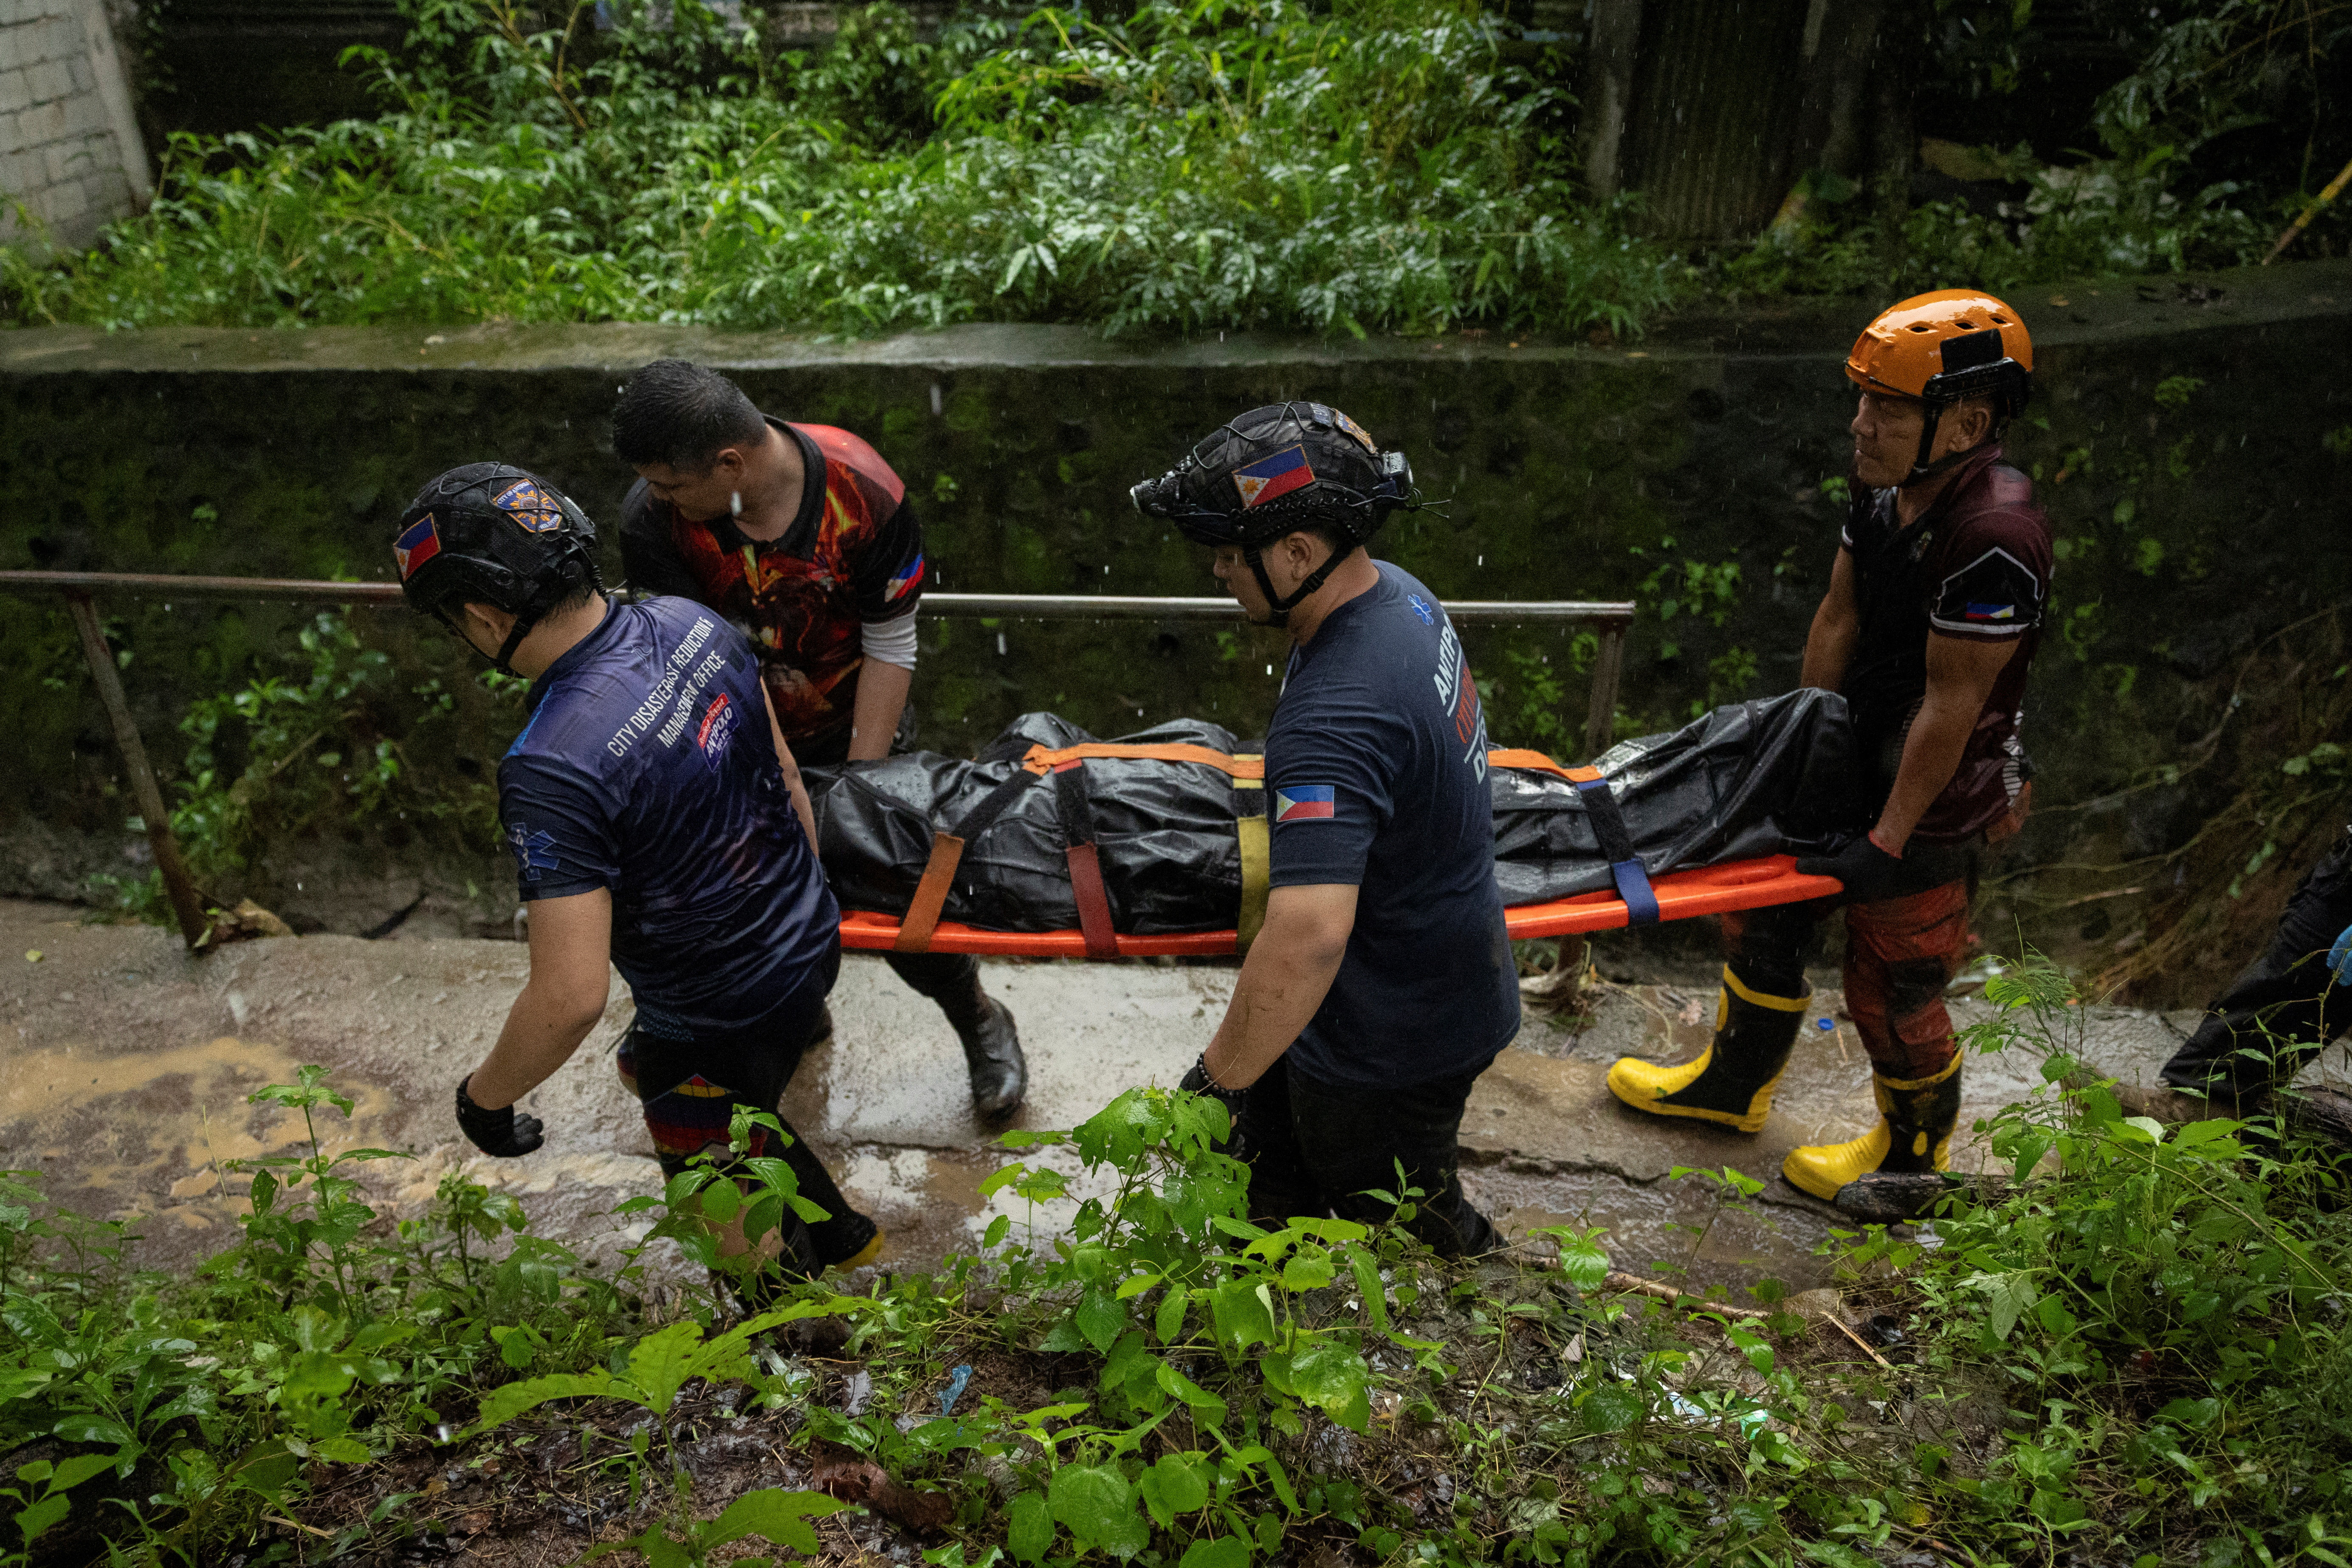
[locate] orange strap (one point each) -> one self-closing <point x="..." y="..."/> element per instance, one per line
<point x="1041" y="760"/>
<point x="1537" y="763"/>
<point x="922" y="915"/>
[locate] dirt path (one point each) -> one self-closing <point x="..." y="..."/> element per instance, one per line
<point x="127" y="1063"/>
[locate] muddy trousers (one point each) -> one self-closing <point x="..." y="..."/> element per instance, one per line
<point x="2286" y="1007"/>
<point x="691" y="1082"/>
<point x="1901" y="952"/>
<point x="1315" y="1147"/>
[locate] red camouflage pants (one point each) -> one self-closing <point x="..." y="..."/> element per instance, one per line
<point x="1900" y="955"/>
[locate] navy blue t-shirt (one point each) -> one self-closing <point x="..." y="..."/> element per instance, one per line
<point x="647" y="768"/>
<point x="1376" y="775"/>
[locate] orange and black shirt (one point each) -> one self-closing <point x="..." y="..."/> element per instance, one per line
<point x="853" y="557"/>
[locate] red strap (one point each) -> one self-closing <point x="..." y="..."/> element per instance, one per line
<point x="922" y="915"/>
<point x="1093" y="902"/>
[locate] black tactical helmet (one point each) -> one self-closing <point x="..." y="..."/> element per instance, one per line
<point x="1273" y="471"/>
<point x="493" y="534"/>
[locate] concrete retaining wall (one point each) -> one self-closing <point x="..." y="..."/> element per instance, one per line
<point x="71" y="152"/>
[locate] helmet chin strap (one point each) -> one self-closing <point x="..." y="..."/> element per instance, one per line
<point x="1280" y="606"/>
<point x="1922" y="469"/>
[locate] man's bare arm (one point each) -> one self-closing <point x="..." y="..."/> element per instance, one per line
<point x="571" y="959"/>
<point x="1960" y="676"/>
<point x="1288" y="973"/>
<point x="791" y="767"/>
<point x="882" y="691"/>
<point x="1837" y="627"/>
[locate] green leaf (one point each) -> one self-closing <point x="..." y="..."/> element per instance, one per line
<point x="1244" y="1313"/>
<point x="1327" y="1373"/>
<point x="33" y="1520"/>
<point x="1225" y="1551"/>
<point x="1096" y="1504"/>
<point x="1611" y="1408"/>
<point x="1168" y="1320"/>
<point x="721" y="1202"/>
<point x="1101" y="1319"/>
<point x="772" y="1514"/>
<point x="1369" y="1288"/>
<point x="1030" y="1535"/>
<point x="1184" y="1481"/>
<point x="507" y="1403"/>
<point x="1181" y="1387"/>
<point x="342" y="1450"/>
<point x="661" y="1362"/>
<point x="70" y="1473"/>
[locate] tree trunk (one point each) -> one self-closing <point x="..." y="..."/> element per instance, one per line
<point x="1717" y="88"/>
<point x="1616" y="39"/>
<point x="1833" y="122"/>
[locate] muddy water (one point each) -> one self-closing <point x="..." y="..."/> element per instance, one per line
<point x="127" y="1065"/>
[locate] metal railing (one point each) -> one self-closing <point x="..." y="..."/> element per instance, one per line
<point x="1609" y="620"/>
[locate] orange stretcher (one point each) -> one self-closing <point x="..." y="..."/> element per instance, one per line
<point x="1681" y="895"/>
<point x="1675" y="896"/>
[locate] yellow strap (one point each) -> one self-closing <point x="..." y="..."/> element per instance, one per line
<point x="1256" y="868"/>
<point x="1764" y="998"/>
<point x="1907" y="1083"/>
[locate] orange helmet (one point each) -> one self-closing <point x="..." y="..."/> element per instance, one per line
<point x="1941" y="349"/>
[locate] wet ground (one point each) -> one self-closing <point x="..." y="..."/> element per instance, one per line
<point x="126" y="1063"/>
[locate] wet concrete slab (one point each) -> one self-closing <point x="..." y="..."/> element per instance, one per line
<point x="127" y="1064"/>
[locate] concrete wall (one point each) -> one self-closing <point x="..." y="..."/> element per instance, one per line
<point x="71" y="152"/>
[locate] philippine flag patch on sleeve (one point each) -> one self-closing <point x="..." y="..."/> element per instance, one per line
<point x="1304" y="802"/>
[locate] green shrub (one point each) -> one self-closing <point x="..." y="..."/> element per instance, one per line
<point x="1215" y="164"/>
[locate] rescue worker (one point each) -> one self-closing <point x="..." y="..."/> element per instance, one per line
<point x="802" y="537"/>
<point x="659" y="824"/>
<point x="2290" y="1001"/>
<point x="1933" y="612"/>
<point x="1381" y="983"/>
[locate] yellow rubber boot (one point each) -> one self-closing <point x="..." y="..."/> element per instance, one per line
<point x="866" y="1254"/>
<point x="1732" y="1082"/>
<point x="1917" y="1117"/>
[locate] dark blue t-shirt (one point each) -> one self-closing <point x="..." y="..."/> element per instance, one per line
<point x="1376" y="775"/>
<point x="647" y="768"/>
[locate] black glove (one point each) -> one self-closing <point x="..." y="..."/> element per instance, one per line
<point x="1198" y="1081"/>
<point x="1868" y="872"/>
<point x="501" y="1133"/>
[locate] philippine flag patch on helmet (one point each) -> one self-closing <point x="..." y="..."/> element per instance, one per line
<point x="412" y="548"/>
<point x="1278" y="475"/>
<point x="1305" y="803"/>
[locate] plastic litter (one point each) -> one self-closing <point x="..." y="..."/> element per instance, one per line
<point x="957" y="1381"/>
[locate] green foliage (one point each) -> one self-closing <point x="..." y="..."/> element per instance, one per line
<point x="1215" y="164"/>
<point x="325" y="744"/>
<point x="2160" y="1317"/>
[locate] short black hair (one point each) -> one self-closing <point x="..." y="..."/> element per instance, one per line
<point x="682" y="416"/>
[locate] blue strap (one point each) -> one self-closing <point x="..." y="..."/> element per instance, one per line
<point x="1617" y="846"/>
<point x="1633" y="887"/>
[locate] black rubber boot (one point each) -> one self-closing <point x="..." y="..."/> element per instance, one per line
<point x="992" y="1052"/>
<point x="1733" y="1080"/>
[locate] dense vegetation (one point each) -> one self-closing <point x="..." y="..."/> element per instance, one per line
<point x="2143" y="1358"/>
<point x="1372" y="165"/>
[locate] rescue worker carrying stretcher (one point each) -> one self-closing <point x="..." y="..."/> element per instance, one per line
<point x="658" y="824"/>
<point x="1381" y="981"/>
<point x="802" y="537"/>
<point x="1933" y="612"/>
